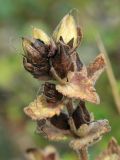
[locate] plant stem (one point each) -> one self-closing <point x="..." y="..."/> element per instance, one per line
<point x="83" y="154"/>
<point x="70" y="108"/>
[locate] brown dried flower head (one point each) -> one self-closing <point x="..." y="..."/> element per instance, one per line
<point x="56" y="60"/>
<point x="41" y="50"/>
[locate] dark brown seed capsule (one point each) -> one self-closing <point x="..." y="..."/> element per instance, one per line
<point x="35" y="60"/>
<point x="62" y="62"/>
<point x="60" y="121"/>
<point x="52" y="95"/>
<point x="81" y="115"/>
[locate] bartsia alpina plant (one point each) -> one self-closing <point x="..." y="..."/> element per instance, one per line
<point x="60" y="110"/>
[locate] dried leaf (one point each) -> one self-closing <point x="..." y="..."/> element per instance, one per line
<point x="51" y="132"/>
<point x="40" y="109"/>
<point x="112" y="152"/>
<point x="41" y="35"/>
<point x="96" y="131"/>
<point x="79" y="86"/>
<point x="34" y="154"/>
<point x="49" y="153"/>
<point x="95" y="68"/>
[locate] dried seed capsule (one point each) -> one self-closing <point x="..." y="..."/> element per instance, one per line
<point x="62" y="62"/>
<point x="60" y="121"/>
<point x="81" y="115"/>
<point x="35" y="60"/>
<point x="51" y="94"/>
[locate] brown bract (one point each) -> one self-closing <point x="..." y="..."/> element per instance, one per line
<point x="80" y="87"/>
<point x="95" y="68"/>
<point x="112" y="152"/>
<point x="62" y="61"/>
<point x="41" y="109"/>
<point x="80" y="84"/>
<point x="96" y="130"/>
<point x="49" y="153"/>
<point x="81" y="115"/>
<point x="58" y="127"/>
<point x="53" y="132"/>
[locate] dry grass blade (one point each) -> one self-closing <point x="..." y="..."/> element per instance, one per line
<point x="110" y="74"/>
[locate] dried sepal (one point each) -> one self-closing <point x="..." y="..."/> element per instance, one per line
<point x="41" y="109"/>
<point x="79" y="86"/>
<point x="34" y="154"/>
<point x="78" y="65"/>
<point x="112" y="152"/>
<point x="41" y="35"/>
<point x="96" y="130"/>
<point x="51" y="132"/>
<point x="62" y="61"/>
<point x="81" y="115"/>
<point x="81" y="82"/>
<point x="49" y="153"/>
<point x="69" y="30"/>
<point x="95" y="68"/>
<point x="60" y="121"/>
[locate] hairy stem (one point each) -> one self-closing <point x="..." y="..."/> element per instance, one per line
<point x="83" y="154"/>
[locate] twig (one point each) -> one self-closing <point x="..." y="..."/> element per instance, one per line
<point x="110" y="73"/>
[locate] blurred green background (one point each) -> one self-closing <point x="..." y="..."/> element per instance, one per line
<point x="18" y="88"/>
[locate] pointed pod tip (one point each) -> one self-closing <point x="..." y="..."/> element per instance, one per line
<point x="41" y="35"/>
<point x="66" y="29"/>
